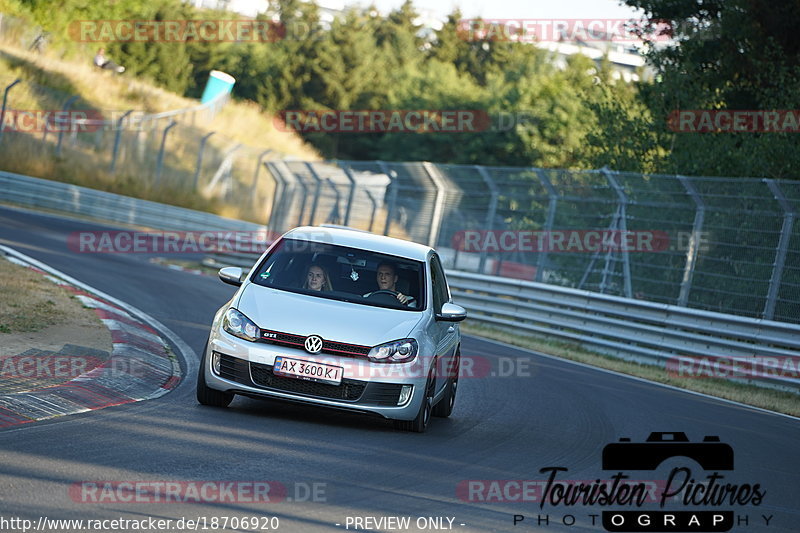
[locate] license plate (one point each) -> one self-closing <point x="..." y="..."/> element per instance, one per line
<point x="297" y="368"/>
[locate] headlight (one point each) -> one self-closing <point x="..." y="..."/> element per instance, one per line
<point x="239" y="325"/>
<point x="394" y="352"/>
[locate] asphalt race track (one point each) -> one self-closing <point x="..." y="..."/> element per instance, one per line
<point x="535" y="412"/>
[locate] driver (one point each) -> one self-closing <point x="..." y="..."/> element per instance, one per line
<point x="387" y="280"/>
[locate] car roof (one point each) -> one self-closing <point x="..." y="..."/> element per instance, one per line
<point x="353" y="238"/>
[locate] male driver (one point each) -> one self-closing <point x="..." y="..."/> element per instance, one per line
<point x="387" y="281"/>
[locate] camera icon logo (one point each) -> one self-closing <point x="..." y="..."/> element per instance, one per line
<point x="711" y="454"/>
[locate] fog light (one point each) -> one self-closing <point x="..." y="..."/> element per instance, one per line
<point x="405" y="394"/>
<point x="215" y="362"/>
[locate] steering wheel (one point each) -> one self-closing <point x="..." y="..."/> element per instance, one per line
<point x="383" y="291"/>
<point x="384" y="296"/>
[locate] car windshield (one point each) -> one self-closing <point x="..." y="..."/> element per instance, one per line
<point x="345" y="274"/>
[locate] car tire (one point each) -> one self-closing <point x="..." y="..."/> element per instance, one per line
<point x="423" y="418"/>
<point x="444" y="408"/>
<point x="205" y="394"/>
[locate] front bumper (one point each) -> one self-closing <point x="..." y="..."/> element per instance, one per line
<point x="246" y="368"/>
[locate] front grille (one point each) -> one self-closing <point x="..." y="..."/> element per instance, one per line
<point x="235" y="369"/>
<point x="349" y="390"/>
<point x="342" y="348"/>
<point x="330" y="347"/>
<point x="381" y="394"/>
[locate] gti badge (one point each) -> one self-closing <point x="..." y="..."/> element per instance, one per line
<point x="313" y="344"/>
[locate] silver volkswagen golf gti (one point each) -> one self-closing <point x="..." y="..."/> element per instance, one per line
<point x="339" y="318"/>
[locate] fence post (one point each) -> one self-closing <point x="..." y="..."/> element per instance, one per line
<point x="438" y="205"/>
<point x="261" y="157"/>
<point x="783" y="248"/>
<point x="392" y="175"/>
<point x="64" y="109"/>
<point x="335" y="216"/>
<point x="623" y="226"/>
<point x="314" y="204"/>
<point x="490" y="213"/>
<point x="552" y="204"/>
<point x="3" y="111"/>
<point x="160" y="161"/>
<point x="694" y="241"/>
<point x="374" y="208"/>
<point x="277" y="197"/>
<point x="199" y="165"/>
<point x="117" y="138"/>
<point x="351" y="194"/>
<point x="303" y="186"/>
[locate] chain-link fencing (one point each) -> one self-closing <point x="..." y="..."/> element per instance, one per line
<point x="719" y="244"/>
<point x="51" y="133"/>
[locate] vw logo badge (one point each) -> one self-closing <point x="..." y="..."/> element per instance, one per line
<point x="314" y="344"/>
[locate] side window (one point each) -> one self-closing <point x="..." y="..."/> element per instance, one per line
<point x="439" y="285"/>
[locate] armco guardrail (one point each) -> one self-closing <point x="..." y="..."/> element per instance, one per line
<point x="110" y="207"/>
<point x="644" y="332"/>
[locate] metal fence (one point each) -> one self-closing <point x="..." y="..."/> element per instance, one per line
<point x="719" y="244"/>
<point x="168" y="153"/>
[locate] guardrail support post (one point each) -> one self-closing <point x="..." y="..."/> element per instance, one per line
<point x="392" y="175"/>
<point x="623" y="226"/>
<point x="3" y="110"/>
<point x="438" y="205"/>
<point x="783" y="248"/>
<point x="117" y="139"/>
<point x="694" y="241"/>
<point x="552" y="204"/>
<point x="199" y="165"/>
<point x="160" y="161"/>
<point x="491" y="212"/>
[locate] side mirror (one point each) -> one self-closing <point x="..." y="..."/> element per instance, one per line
<point x="452" y="313"/>
<point x="231" y="275"/>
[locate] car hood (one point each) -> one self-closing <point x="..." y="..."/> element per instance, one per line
<point x="301" y="314"/>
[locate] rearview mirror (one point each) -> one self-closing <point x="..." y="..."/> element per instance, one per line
<point x="451" y="313"/>
<point x="231" y="275"/>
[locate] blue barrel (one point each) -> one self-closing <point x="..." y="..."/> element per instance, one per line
<point x="218" y="84"/>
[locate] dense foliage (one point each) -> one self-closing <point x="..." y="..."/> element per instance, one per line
<point x="726" y="54"/>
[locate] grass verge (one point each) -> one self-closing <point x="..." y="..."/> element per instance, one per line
<point x="773" y="400"/>
<point x="224" y="181"/>
<point x="30" y="303"/>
